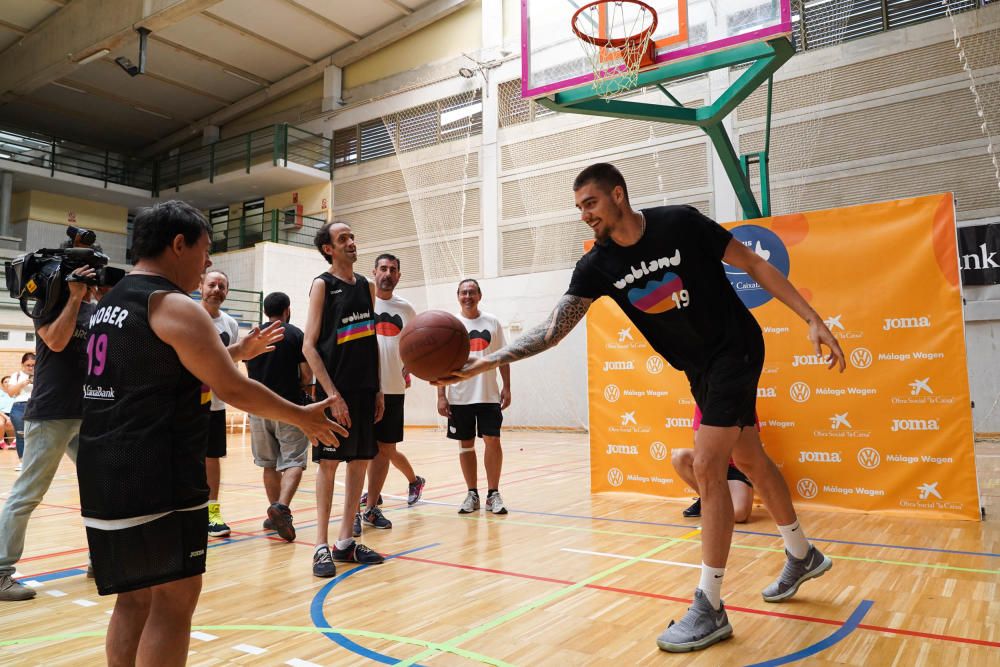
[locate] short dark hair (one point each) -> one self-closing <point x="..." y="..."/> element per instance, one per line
<point x="4" y="379"/>
<point x="469" y="280"/>
<point x="276" y="303"/>
<point x="156" y="226"/>
<point x="323" y="236"/>
<point x="220" y="272"/>
<point x="603" y="174"/>
<point x="388" y="256"/>
<point x="26" y="356"/>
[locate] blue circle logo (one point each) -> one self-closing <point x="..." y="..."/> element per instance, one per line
<point x="769" y="247"/>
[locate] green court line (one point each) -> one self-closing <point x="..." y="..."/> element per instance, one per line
<point x="545" y="599"/>
<point x="749" y="547"/>
<point x="431" y="646"/>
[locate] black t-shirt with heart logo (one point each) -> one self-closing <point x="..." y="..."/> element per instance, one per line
<point x="672" y="285"/>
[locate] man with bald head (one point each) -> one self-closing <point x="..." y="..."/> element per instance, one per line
<point x="342" y="351"/>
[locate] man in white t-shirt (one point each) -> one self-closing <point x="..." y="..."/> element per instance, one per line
<point x="392" y="313"/>
<point x="473" y="407"/>
<point x="214" y="290"/>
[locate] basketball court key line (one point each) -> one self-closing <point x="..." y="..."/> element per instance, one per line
<point x="545" y="599"/>
<point x="624" y="557"/>
<point x="749" y="547"/>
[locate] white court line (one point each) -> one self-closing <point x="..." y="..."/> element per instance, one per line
<point x="85" y="603"/>
<point x="623" y="557"/>
<point x="296" y="662"/>
<point x="203" y="636"/>
<point x="56" y="594"/>
<point x="33" y="584"/>
<point x="248" y="648"/>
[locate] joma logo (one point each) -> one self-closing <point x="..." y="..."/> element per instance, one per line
<point x="915" y="425"/>
<point x="809" y="360"/>
<point x="618" y="366"/>
<point x="906" y="323"/>
<point x="819" y="457"/>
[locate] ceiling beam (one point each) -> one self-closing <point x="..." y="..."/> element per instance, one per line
<point x="126" y="102"/>
<point x="14" y="28"/>
<point x="393" y="32"/>
<point x="81" y="28"/>
<point x="332" y="25"/>
<point x="246" y="32"/>
<point x="97" y="121"/>
<point x="209" y="59"/>
<point x="171" y="82"/>
<point x="400" y="6"/>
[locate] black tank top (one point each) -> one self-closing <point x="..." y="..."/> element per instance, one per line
<point x="142" y="442"/>
<point x="347" y="342"/>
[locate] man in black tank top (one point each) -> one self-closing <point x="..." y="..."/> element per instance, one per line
<point x="342" y="350"/>
<point x="141" y="461"/>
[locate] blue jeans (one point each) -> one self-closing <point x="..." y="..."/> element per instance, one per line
<point x="17" y="418"/>
<point x="47" y="442"/>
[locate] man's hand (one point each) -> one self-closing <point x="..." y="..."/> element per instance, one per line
<point x="443" y="408"/>
<point x="472" y="368"/>
<point x="78" y="286"/>
<point x="338" y="408"/>
<point x="504" y="398"/>
<point x="259" y="341"/>
<point x="317" y="427"/>
<point x="821" y="335"/>
<point x="379" y="406"/>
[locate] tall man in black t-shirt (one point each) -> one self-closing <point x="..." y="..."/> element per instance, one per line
<point x="664" y="267"/>
<point x="280" y="449"/>
<point x="141" y="466"/>
<point x="342" y="350"/>
<point x="52" y="421"/>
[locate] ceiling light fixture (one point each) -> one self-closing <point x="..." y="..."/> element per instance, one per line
<point x="96" y="55"/>
<point x="240" y="76"/>
<point x="68" y="87"/>
<point x="153" y="113"/>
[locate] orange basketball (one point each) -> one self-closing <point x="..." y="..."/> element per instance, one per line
<point x="434" y="344"/>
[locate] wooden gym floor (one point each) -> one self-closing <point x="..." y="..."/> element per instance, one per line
<point x="566" y="578"/>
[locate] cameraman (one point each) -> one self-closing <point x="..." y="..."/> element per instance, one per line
<point x="52" y="419"/>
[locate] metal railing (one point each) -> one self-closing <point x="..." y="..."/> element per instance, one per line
<point x="244" y="306"/>
<point x="277" y="225"/>
<point x="278" y="144"/>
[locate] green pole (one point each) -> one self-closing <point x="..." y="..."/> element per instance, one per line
<point x="731" y="163"/>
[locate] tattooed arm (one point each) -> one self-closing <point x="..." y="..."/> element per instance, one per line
<point x="566" y="315"/>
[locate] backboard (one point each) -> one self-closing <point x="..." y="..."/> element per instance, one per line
<point x="552" y="59"/>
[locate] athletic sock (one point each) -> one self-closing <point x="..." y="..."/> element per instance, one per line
<point x="711" y="584"/>
<point x="795" y="540"/>
<point x="321" y="546"/>
<point x="475" y="491"/>
<point x="343" y="544"/>
<point x="491" y="492"/>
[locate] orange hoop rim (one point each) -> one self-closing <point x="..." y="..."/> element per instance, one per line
<point x="615" y="42"/>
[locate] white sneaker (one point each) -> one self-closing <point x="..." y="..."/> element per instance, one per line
<point x="494" y="503"/>
<point x="471" y="503"/>
<point x="17" y="468"/>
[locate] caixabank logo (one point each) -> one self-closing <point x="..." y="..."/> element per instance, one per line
<point x="769" y="247"/>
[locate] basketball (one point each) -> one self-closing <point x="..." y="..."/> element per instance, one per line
<point x="434" y="344"/>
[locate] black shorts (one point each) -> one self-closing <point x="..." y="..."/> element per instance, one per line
<point x="736" y="474"/>
<point x="167" y="549"/>
<point x="726" y="392"/>
<point x="390" y="428"/>
<point x="216" y="448"/>
<point x="476" y="419"/>
<point x="360" y="441"/>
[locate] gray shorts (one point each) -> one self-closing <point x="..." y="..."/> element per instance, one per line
<point x="277" y="445"/>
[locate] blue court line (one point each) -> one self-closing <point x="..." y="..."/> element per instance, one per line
<point x="849" y="626"/>
<point x="52" y="576"/>
<point x="319" y="619"/>
<point x="762" y="534"/>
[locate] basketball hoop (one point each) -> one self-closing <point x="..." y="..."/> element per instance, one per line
<point x="617" y="36"/>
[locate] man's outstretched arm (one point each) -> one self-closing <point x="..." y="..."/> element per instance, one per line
<point x="566" y="315"/>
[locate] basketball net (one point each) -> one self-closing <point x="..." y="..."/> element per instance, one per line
<point x="616" y="36"/>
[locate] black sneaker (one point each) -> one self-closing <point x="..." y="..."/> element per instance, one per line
<point x="323" y="563"/>
<point x="268" y="525"/>
<point x="281" y="518"/>
<point x="376" y="519"/>
<point x="356" y="528"/>
<point x="357" y="553"/>
<point x="364" y="499"/>
<point x="415" y="490"/>
<point x="694" y="510"/>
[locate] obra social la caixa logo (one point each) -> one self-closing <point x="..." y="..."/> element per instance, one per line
<point x="615" y="477"/>
<point x="769" y="247"/>
<point x="807" y="488"/>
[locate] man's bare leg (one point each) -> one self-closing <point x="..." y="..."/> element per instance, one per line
<point x="290" y="479"/>
<point x="272" y="485"/>
<point x="324" y="499"/>
<point x="713" y="446"/>
<point x="493" y="460"/>
<point x="125" y="629"/>
<point x="469" y="462"/>
<point x="167" y="634"/>
<point x="355" y="480"/>
<point x="378" y="470"/>
<point x="402" y="464"/>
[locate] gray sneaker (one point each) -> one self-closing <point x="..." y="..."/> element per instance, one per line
<point x="701" y="627"/>
<point x="471" y="503"/>
<point x="494" y="503"/>
<point x="795" y="572"/>
<point x="12" y="590"/>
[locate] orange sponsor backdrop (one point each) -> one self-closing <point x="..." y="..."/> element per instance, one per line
<point x="892" y="434"/>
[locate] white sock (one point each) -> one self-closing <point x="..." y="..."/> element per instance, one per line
<point x="321" y="546"/>
<point x="711" y="584"/>
<point x="343" y="544"/>
<point x="795" y="540"/>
